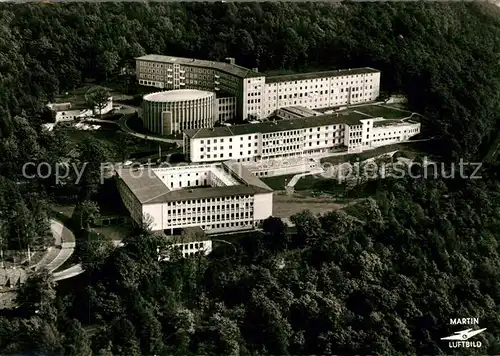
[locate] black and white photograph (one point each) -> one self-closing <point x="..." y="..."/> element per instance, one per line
<point x="249" y="178"/>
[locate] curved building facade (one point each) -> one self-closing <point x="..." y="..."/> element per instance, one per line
<point x="172" y="112"/>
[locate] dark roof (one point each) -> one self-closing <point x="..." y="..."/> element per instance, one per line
<point x="232" y="69"/>
<point x="246" y="177"/>
<point x="350" y="118"/>
<point x="143" y="183"/>
<point x="314" y="75"/>
<point x="149" y="189"/>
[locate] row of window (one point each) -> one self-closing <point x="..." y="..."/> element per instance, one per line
<point x="230" y="140"/>
<point x="208" y="218"/>
<point x="210" y="200"/>
<point x="191" y="246"/>
<point x="222" y="154"/>
<point x="202" y="209"/>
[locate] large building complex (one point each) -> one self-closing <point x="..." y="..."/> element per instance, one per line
<point x="217" y="197"/>
<point x="171" y="112"/>
<point x="257" y="95"/>
<point x="347" y="130"/>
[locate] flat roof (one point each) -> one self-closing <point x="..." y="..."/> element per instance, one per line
<point x="143" y="183"/>
<point x="314" y="75"/>
<point x="232" y="69"/>
<point x="394" y="122"/>
<point x="350" y="118"/>
<point x="178" y="95"/>
<point x="300" y="110"/>
<point x="149" y="188"/>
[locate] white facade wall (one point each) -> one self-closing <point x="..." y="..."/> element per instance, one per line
<point x="68" y="115"/>
<point x="387" y="135"/>
<point x="217" y="214"/>
<point x="325" y="92"/>
<point x="254" y="97"/>
<point x="243" y="148"/>
<point x="263" y="206"/>
<point x="300" y="142"/>
<point x="193" y="176"/>
<point x="192" y="248"/>
<point x="353" y="138"/>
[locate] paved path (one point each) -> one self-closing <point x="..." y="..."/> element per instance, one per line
<point x="68" y="273"/>
<point x="64" y="247"/>
<point x="77" y="269"/>
<point x="122" y="123"/>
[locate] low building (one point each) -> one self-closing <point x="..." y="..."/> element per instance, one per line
<point x="70" y="111"/>
<point x="188" y="241"/>
<point x="171" y="112"/>
<point x="217" y="197"/>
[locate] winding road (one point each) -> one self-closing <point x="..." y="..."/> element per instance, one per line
<point x="56" y="256"/>
<point x="122" y="123"/>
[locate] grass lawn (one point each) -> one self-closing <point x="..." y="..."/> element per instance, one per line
<point x="320" y="184"/>
<point x="278" y="182"/>
<point x="110" y="137"/>
<point x="382" y="111"/>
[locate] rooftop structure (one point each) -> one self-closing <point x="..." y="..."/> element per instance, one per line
<point x="229" y="68"/>
<point x="345" y="131"/>
<point x="177" y="95"/>
<point x="324" y="74"/>
<point x="350" y="118"/>
<point x="295" y="112"/>
<point x="155" y="192"/>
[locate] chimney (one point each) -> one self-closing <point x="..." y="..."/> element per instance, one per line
<point x="255" y="69"/>
<point x="231" y="60"/>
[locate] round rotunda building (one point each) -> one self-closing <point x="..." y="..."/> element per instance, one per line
<point x="172" y="112"/>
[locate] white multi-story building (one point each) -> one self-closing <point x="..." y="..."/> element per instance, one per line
<point x="217" y="197"/>
<point x="257" y="95"/>
<point x="350" y="131"/>
<point x="321" y="89"/>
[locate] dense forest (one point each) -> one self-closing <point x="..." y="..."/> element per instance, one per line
<point x="382" y="277"/>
